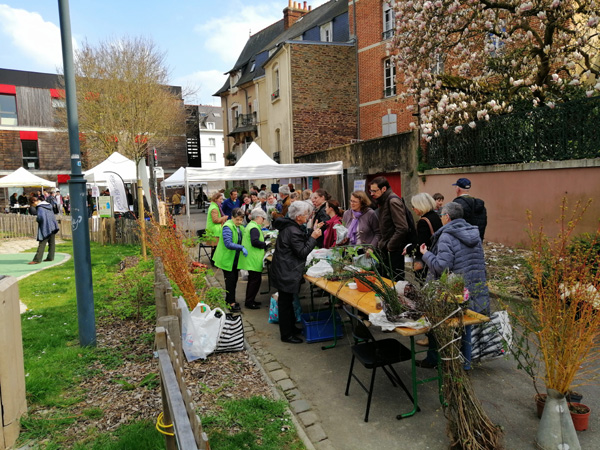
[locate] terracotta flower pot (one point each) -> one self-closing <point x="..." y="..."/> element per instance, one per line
<point x="362" y="287"/>
<point x="581" y="415"/>
<point x="540" y="402"/>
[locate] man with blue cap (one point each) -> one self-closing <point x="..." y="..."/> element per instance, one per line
<point x="474" y="209"/>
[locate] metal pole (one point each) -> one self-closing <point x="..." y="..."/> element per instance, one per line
<point x="79" y="212"/>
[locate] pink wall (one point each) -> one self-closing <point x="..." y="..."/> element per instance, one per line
<point x="509" y="194"/>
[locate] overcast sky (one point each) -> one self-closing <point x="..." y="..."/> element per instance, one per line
<point x="202" y="38"/>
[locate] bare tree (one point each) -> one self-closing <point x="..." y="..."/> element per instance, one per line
<point x="124" y="102"/>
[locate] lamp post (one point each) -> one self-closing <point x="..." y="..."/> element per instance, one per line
<point x="79" y="215"/>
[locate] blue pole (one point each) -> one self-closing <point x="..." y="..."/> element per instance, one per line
<point x="79" y="214"/>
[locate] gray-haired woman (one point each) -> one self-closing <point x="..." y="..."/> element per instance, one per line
<point x="254" y="242"/>
<point x="291" y="249"/>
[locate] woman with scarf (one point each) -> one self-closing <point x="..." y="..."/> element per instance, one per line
<point x="334" y="211"/>
<point x="361" y="221"/>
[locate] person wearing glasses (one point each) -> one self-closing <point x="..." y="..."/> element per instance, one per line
<point x="395" y="232"/>
<point x="291" y="249"/>
<point x="361" y="221"/>
<point x="457" y="248"/>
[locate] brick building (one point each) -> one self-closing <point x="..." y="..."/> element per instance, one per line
<point x="293" y="89"/>
<point x="381" y="113"/>
<point x="29" y="103"/>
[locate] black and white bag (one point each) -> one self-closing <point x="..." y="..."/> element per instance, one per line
<point x="231" y="338"/>
<point x="491" y="339"/>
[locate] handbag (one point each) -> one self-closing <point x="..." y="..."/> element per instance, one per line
<point x="491" y="339"/>
<point x="274" y="309"/>
<point x="231" y="338"/>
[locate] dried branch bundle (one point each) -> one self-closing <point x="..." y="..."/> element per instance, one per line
<point x="469" y="427"/>
<point x="166" y="243"/>
<point x="564" y="319"/>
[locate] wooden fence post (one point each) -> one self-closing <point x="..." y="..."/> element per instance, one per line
<point x="171" y="324"/>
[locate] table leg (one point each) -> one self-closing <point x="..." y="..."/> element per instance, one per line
<point x="332" y="301"/>
<point x="415" y="382"/>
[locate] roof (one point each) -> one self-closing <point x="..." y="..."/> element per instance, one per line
<point x="29" y="79"/>
<point x="209" y="113"/>
<point x="256" y="50"/>
<point x="315" y="18"/>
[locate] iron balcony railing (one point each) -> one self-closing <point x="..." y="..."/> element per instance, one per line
<point x="387" y="34"/>
<point x="275" y="95"/>
<point x="245" y="120"/>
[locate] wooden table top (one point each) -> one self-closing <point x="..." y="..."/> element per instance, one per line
<point x="365" y="302"/>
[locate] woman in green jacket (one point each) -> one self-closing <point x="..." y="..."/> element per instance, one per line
<point x="254" y="242"/>
<point x="215" y="220"/>
<point x="228" y="252"/>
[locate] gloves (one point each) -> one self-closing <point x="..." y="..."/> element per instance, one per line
<point x="244" y="251"/>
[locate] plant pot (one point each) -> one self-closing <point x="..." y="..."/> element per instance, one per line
<point x="540" y="402"/>
<point x="574" y="397"/>
<point x="581" y="415"/>
<point x="362" y="287"/>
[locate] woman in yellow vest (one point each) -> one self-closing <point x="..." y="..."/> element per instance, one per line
<point x="215" y="220"/>
<point x="228" y="255"/>
<point x="254" y="242"/>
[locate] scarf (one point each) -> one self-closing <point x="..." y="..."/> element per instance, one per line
<point x="353" y="228"/>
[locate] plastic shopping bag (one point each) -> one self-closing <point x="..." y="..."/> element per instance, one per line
<point x="341" y="233"/>
<point x="274" y="309"/>
<point x="200" y="329"/>
<point x="320" y="269"/>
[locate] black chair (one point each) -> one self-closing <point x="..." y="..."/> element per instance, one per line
<point x="203" y="247"/>
<point x="373" y="354"/>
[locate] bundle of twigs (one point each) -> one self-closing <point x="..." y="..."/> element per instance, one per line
<point x="166" y="243"/>
<point x="468" y="424"/>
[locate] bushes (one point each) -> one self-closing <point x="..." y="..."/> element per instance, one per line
<point x="132" y="296"/>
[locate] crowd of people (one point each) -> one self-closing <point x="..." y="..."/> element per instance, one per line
<point x="445" y="237"/>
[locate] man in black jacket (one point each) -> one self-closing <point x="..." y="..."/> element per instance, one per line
<point x="474" y="211"/>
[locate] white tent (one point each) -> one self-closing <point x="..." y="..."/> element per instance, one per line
<point x="178" y="180"/>
<point x="24" y="178"/>
<point x="114" y="163"/>
<point x="255" y="164"/>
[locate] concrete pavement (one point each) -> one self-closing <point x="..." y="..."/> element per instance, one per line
<point x="314" y="381"/>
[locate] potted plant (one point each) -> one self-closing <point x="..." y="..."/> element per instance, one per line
<point x="561" y="324"/>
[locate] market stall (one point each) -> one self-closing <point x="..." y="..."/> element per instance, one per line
<point x="22" y="178"/>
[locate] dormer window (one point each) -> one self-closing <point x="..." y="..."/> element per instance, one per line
<point x="327" y="32"/>
<point x="253" y="67"/>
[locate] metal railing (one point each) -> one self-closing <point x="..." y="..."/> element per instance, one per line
<point x="275" y="95"/>
<point x="245" y="120"/>
<point x="387" y="34"/>
<point x="568" y="131"/>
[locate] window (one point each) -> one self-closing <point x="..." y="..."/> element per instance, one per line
<point x="8" y="110"/>
<point x="389" y="74"/>
<point x="275" y="94"/>
<point x="388" y="124"/>
<point x="437" y="68"/>
<point x="388" y="21"/>
<point x="327" y="32"/>
<point x="30" y="154"/>
<point x="213" y="157"/>
<point x="212" y="142"/>
<point x="210" y="125"/>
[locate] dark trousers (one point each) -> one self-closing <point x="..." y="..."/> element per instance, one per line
<point x="287" y="318"/>
<point x="231" y="279"/>
<point x="51" y="241"/>
<point x="254" y="280"/>
<point x="393" y="263"/>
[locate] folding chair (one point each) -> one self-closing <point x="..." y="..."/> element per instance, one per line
<point x="207" y="249"/>
<point x="373" y="354"/>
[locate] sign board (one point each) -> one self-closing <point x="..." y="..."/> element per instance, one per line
<point x="159" y="172"/>
<point x="359" y="185"/>
<point x="105" y="206"/>
<point x="95" y="191"/>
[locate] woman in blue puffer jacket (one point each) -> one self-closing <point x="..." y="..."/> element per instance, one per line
<point x="457" y="248"/>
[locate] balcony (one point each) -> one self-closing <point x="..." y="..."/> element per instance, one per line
<point x="275" y="95"/>
<point x="244" y="123"/>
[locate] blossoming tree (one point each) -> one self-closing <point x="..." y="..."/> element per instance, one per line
<point x="462" y="61"/>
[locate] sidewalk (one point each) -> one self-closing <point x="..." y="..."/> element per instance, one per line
<point x="314" y="381"/>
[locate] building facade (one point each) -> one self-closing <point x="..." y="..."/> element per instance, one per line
<point x="381" y="112"/>
<point x="212" y="148"/>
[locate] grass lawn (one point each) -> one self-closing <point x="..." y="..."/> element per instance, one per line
<point x="61" y="376"/>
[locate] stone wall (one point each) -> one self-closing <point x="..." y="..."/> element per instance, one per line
<point x="323" y="96"/>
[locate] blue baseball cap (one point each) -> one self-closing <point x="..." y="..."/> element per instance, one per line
<point x="463" y="183"/>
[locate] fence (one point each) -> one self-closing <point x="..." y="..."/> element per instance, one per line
<point x="568" y="131"/>
<point x="178" y="407"/>
<point x="102" y="230"/>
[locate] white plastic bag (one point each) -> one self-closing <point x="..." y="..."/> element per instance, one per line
<point x="319" y="253"/>
<point x="320" y="269"/>
<point x="200" y="330"/>
<point x="341" y="233"/>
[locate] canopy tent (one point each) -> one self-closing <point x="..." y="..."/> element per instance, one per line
<point x="255" y="164"/>
<point x="24" y="178"/>
<point x="114" y="163"/>
<point x="178" y="180"/>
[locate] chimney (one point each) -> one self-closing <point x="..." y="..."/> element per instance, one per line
<point x="293" y="12"/>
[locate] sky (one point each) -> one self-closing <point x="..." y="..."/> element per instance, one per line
<point x="201" y="38"/>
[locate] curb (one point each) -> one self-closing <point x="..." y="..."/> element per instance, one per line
<point x="306" y="420"/>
